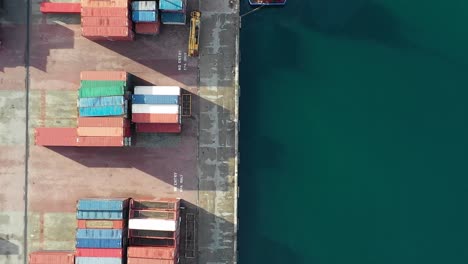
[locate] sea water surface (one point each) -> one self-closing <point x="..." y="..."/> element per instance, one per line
<point x="354" y="132"/>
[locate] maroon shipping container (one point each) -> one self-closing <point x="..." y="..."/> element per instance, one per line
<point x="158" y="128"/>
<point x="151" y="252"/>
<point x="160" y="204"/>
<point x="156" y="118"/>
<point x="52" y="257"/>
<point x="56" y="136"/>
<point x="156" y="214"/>
<point x="150" y="261"/>
<point x="104" y="75"/>
<point x="104" y="11"/>
<point x="100" y="142"/>
<point x="100" y="252"/>
<point x="103" y="122"/>
<point x="154" y="234"/>
<point x="147" y="28"/>
<point x="101" y="224"/>
<point x="154" y="242"/>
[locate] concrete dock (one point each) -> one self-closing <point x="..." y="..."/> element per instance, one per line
<point x="40" y="60"/>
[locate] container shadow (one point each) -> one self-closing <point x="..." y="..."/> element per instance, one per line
<point x="8" y="248"/>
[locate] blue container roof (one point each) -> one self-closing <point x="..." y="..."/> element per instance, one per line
<point x="174" y="5"/>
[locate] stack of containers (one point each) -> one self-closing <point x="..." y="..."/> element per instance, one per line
<point x="106" y="19"/>
<point x="156" y="109"/>
<point x="154" y="228"/>
<point x="101" y="236"/>
<point x="102" y="107"/>
<point x="145" y="16"/>
<point x="52" y="257"/>
<point x="173" y="12"/>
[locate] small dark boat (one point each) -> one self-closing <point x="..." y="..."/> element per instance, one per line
<point x="267" y="2"/>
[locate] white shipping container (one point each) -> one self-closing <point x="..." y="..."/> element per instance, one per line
<point x="153" y="224"/>
<point x="144" y="5"/>
<point x="155" y="109"/>
<point x="158" y="90"/>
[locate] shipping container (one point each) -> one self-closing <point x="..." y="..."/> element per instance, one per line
<point x="153" y="224"/>
<point x="155" y="99"/>
<point x="102" y="224"/>
<point x="96" y="260"/>
<point x="152" y="242"/>
<point x="156" y="118"/>
<point x="147" y="28"/>
<point x="103" y="75"/>
<point x="152" y="234"/>
<point x="105" y="21"/>
<point x="169" y="18"/>
<point x="107" y="3"/>
<point x="52" y="257"/>
<point x="103" y="122"/>
<point x="144" y="5"/>
<point x="101" y="101"/>
<point x="151" y="261"/>
<point x="103" y="91"/>
<point x="105" y="31"/>
<point x="158" y="128"/>
<point x="99" y="243"/>
<point x="104" y="12"/>
<point x="101" y="215"/>
<point x="102" y="142"/>
<point x="145" y="16"/>
<point x="159" y="204"/>
<point x="171" y="5"/>
<point x="158" y="90"/>
<point x="100" y="252"/>
<point x="100" y="131"/>
<point x="56" y="136"/>
<point x="155" y="109"/>
<point x="130" y="37"/>
<point x="60" y="8"/>
<point x="102" y="204"/>
<point x="99" y="233"/>
<point x="156" y="214"/>
<point x="102" y="84"/>
<point x="152" y="252"/>
<point x="111" y="110"/>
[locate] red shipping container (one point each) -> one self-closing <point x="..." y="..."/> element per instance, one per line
<point x="104" y="75"/>
<point x="60" y="8"/>
<point x="100" y="252"/>
<point x="105" y="21"/>
<point x="155" y="118"/>
<point x="158" y="214"/>
<point x="159" y="204"/>
<point x="107" y="3"/>
<point x="104" y="11"/>
<point x="96" y="38"/>
<point x="151" y="252"/>
<point x="155" y="234"/>
<point x="100" y="142"/>
<point x="101" y="224"/>
<point x="105" y="31"/>
<point x="150" y="261"/>
<point x="52" y="257"/>
<point x="56" y="136"/>
<point x="158" y="128"/>
<point x="103" y="121"/>
<point x="147" y="28"/>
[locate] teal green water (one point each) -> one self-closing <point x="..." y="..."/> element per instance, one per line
<point x="354" y="136"/>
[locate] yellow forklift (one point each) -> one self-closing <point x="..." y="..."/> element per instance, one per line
<point x="194" y="34"/>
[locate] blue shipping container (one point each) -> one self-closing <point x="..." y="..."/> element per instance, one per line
<point x="100" y="215"/>
<point x="144" y="16"/>
<point x="98" y="243"/>
<point x="155" y="99"/>
<point x="144" y="5"/>
<point x="111" y="110"/>
<point x="100" y="101"/>
<point x="173" y="18"/>
<point x="171" y="5"/>
<point x="102" y="204"/>
<point x="95" y="260"/>
<point x="99" y="233"/>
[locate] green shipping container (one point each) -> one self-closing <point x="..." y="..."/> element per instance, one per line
<point x="101" y="91"/>
<point x="102" y="84"/>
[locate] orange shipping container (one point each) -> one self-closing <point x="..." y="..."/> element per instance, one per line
<point x="103" y="121"/>
<point x="105" y="31"/>
<point x="150" y="261"/>
<point x="100" y="131"/>
<point x="152" y="252"/>
<point x="107" y="3"/>
<point x="101" y="224"/>
<point x="104" y="75"/>
<point x="100" y="142"/>
<point x="105" y="21"/>
<point x="52" y="257"/>
<point x="155" y="118"/>
<point x="104" y="12"/>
